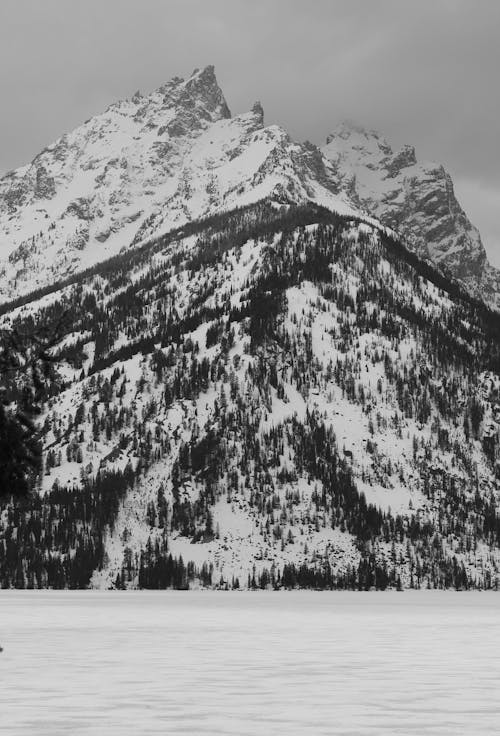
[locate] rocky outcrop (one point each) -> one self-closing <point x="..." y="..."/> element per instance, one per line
<point x="416" y="199"/>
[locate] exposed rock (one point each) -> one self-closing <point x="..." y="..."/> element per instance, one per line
<point x="416" y="199"/>
<point x="258" y="110"/>
<point x="79" y="239"/>
<point x="80" y="208"/>
<point x="44" y="185"/>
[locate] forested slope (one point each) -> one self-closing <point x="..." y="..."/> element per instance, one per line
<point x="276" y="396"/>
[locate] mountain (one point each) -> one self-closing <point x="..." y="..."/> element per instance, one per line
<point x="154" y="162"/>
<point x="275" y="396"/>
<point x="142" y="167"/>
<point x="256" y="381"/>
<point x="415" y="198"/>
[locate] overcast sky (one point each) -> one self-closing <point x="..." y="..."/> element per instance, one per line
<point x="424" y="72"/>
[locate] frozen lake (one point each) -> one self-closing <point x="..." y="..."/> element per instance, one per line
<point x="140" y="663"/>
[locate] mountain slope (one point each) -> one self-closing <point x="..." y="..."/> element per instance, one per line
<point x="145" y="165"/>
<point x="278" y="396"/>
<point x="415" y="198"/>
<point x="259" y="384"/>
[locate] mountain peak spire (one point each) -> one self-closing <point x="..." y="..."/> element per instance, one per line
<point x="203" y="85"/>
<point x="258" y="110"/>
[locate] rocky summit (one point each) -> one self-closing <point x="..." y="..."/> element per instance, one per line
<point x="153" y="162"/>
<point x="416" y="199"/>
<point x="144" y="166"/>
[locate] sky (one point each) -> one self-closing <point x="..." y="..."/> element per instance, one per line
<point x="421" y="72"/>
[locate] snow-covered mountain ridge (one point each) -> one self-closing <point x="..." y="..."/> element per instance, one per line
<point x="144" y="166"/>
<point x="153" y="162"/>
<point x="415" y="198"/>
<point x="279" y="396"/>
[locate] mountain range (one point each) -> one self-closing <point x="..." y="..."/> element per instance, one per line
<point x="280" y="363"/>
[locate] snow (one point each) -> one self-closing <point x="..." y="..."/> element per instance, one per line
<point x="380" y="454"/>
<point x="214" y="663"/>
<point x="141" y="168"/>
<point x="349" y="421"/>
<point x="414" y="197"/>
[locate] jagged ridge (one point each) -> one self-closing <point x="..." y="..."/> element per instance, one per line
<point x="144" y="166"/>
<point x="415" y="198"/>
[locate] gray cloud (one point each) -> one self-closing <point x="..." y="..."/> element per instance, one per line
<point x="424" y="73"/>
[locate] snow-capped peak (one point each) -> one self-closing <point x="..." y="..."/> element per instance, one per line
<point x="155" y="161"/>
<point x="415" y="198"/>
<point x="145" y="165"/>
<point x="349" y="140"/>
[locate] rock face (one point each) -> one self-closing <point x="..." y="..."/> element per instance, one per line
<point x="143" y="166"/>
<point x="414" y="198"/>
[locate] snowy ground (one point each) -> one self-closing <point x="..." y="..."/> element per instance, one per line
<point x="140" y="663"/>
